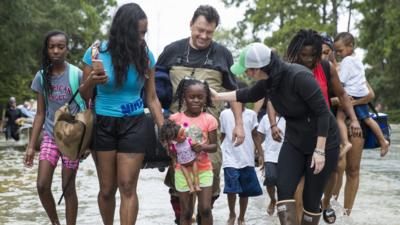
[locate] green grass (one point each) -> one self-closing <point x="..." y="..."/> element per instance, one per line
<point x="393" y="115"/>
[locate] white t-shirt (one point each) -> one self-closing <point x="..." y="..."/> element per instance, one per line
<point x="242" y="155"/>
<point x="271" y="147"/>
<point x="352" y="76"/>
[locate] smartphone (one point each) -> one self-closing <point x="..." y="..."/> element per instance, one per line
<point x="98" y="65"/>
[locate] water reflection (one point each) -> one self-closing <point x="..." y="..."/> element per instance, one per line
<point x="377" y="202"/>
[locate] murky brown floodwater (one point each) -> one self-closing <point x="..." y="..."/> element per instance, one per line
<point x="377" y="202"/>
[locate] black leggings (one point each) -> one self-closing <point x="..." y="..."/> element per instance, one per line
<point x="293" y="164"/>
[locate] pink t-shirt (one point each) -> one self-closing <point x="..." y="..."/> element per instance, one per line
<point x="197" y="129"/>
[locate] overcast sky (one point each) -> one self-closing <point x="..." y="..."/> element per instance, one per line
<point x="169" y="19"/>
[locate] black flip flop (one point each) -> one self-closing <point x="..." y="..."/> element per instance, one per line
<point x="329" y="215"/>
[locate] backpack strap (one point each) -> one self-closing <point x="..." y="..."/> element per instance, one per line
<point x="326" y="66"/>
<point x="46" y="101"/>
<point x="74" y="83"/>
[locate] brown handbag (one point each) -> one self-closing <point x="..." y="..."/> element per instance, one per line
<point x="73" y="133"/>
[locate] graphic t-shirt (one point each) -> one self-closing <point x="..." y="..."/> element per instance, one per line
<point x="61" y="94"/>
<point x="125" y="100"/>
<point x="197" y="128"/>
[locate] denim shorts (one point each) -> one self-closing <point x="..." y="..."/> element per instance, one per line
<point x="362" y="111"/>
<point x="271" y="174"/>
<point x="242" y="181"/>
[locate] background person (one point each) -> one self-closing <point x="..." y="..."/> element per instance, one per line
<point x="270" y="151"/>
<point x="200" y="57"/>
<point x="352" y="76"/>
<point x="238" y="162"/>
<point x="11" y="117"/>
<point x="305" y="49"/>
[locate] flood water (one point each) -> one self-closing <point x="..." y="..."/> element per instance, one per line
<point x="378" y="199"/>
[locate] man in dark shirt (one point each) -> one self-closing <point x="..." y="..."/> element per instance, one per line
<point x="11" y="116"/>
<point x="199" y="57"/>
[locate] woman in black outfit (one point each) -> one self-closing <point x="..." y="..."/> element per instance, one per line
<point x="311" y="144"/>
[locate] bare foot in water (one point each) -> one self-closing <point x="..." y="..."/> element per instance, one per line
<point x="385" y="148"/>
<point x="271" y="208"/>
<point x="241" y="222"/>
<point x="344" y="149"/>
<point x="231" y="220"/>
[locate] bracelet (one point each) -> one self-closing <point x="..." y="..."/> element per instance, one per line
<point x="320" y="152"/>
<point x="273" y="125"/>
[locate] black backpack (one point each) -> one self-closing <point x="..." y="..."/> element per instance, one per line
<point x="163" y="87"/>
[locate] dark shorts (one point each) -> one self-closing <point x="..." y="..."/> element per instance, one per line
<point x="362" y="111"/>
<point x="271" y="174"/>
<point x="242" y="181"/>
<point x="124" y="134"/>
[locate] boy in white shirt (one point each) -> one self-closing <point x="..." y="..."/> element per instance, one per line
<point x="238" y="162"/>
<point x="270" y="156"/>
<point x="352" y="76"/>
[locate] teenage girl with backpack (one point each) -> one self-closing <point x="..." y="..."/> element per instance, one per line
<point x="52" y="85"/>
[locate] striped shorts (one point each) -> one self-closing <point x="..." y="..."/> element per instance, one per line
<point x="49" y="151"/>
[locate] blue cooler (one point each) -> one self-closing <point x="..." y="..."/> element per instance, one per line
<point x="370" y="139"/>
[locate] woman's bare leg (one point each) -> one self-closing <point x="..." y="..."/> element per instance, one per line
<point x="128" y="168"/>
<point x="353" y="173"/>
<point x="107" y="174"/>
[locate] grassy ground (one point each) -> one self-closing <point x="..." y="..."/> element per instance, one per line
<point x="394" y="116"/>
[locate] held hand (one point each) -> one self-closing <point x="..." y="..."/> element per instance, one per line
<point x="197" y="147"/>
<point x="355" y="129"/>
<point x="98" y="77"/>
<point x="276" y="134"/>
<point x="318" y="162"/>
<point x="238" y="135"/>
<point x="29" y="156"/>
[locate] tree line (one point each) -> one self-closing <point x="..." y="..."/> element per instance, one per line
<point x="23" y="24"/>
<point x="275" y="22"/>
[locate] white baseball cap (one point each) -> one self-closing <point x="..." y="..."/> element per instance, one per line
<point x="255" y="55"/>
